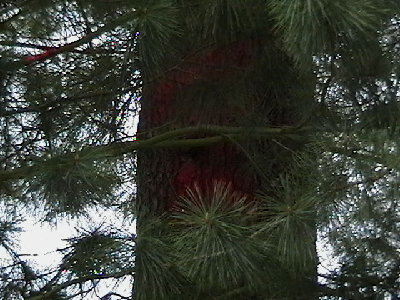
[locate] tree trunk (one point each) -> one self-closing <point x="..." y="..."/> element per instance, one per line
<point x="242" y="83"/>
<point x="164" y="175"/>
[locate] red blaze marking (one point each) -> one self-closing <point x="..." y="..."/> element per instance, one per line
<point x="217" y="163"/>
<point x="215" y="64"/>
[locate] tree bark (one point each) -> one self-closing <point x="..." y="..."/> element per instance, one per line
<point x="165" y="175"/>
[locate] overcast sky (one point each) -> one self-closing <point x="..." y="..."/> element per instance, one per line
<point x="43" y="240"/>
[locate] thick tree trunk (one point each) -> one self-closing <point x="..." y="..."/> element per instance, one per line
<point x="170" y="102"/>
<point x="164" y="175"/>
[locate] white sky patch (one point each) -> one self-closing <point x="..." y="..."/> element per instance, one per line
<point x="40" y="244"/>
<point x="327" y="262"/>
<point x="43" y="240"/>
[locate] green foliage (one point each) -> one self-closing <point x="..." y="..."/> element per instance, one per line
<point x="98" y="252"/>
<point x="214" y="241"/>
<point x="290" y="222"/>
<point x="156" y="25"/>
<point x="156" y="270"/>
<point x="9" y="225"/>
<point x="360" y="212"/>
<point x="70" y="184"/>
<point x="313" y="27"/>
<point x="334" y="175"/>
<point x="222" y="19"/>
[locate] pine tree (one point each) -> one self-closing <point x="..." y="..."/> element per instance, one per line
<point x="264" y="126"/>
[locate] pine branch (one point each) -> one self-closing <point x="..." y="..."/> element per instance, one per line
<point x="71" y="46"/>
<point x="359" y="153"/>
<point x="6" y="22"/>
<point x="344" y="292"/>
<point x="54" y="51"/>
<point x="83" y="40"/>
<point x="165" y="140"/>
<point x="54" y="48"/>
<point x="49" y="294"/>
<point x="109" y="295"/>
<point x="51" y="105"/>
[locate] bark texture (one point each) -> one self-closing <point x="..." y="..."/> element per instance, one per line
<point x="242" y="83"/>
<point x="171" y="102"/>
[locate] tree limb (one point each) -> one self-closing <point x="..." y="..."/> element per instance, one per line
<point x="171" y="139"/>
<point x="54" y="48"/>
<point x="60" y="287"/>
<point x="83" y="40"/>
<point x="54" y="51"/>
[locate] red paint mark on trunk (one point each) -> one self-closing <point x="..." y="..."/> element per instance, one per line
<point x="220" y="163"/>
<point x="214" y="64"/>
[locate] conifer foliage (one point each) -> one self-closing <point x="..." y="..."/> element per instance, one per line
<point x="267" y="132"/>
